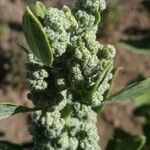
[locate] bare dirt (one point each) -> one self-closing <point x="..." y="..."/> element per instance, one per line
<point x="118" y="115"/>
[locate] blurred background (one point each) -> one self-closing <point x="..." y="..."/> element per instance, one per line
<point x="125" y="24"/>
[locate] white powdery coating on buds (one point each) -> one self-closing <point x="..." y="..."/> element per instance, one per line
<point x="77" y="73"/>
<point x="69" y="93"/>
<point x="38" y="84"/>
<point x="85" y="19"/>
<point x="91" y="5"/>
<point x="73" y="143"/>
<point x="36" y="75"/>
<point x="56" y="26"/>
<point x="82" y="127"/>
<point x="109" y="51"/>
<point x="63" y="141"/>
<point x="33" y="59"/>
<point x="70" y="18"/>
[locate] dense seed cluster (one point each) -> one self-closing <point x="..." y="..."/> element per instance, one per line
<point x="82" y="127"/>
<point x="73" y="86"/>
<point x="57" y="25"/>
<point x="91" y="5"/>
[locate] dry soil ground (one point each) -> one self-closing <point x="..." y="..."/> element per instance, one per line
<point x="118" y="115"/>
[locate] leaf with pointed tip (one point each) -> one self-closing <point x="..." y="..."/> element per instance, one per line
<point x="9" y="109"/>
<point x="129" y="92"/>
<point x="36" y="38"/>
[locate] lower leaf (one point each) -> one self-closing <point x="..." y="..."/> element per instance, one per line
<point x="9" y="109"/>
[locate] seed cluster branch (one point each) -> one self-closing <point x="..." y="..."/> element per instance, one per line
<point x="77" y="81"/>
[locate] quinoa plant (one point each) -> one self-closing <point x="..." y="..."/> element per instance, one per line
<point x="69" y="74"/>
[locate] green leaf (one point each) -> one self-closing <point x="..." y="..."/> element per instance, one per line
<point x="102" y="76"/>
<point x="9" y="109"/>
<point x="38" y="9"/>
<point x="36" y="38"/>
<point x="4" y="145"/>
<point x="141" y="45"/>
<point x="129" y="92"/>
<point x="142" y="99"/>
<point x="124" y="141"/>
<point x="145" y="97"/>
<point x="115" y="73"/>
